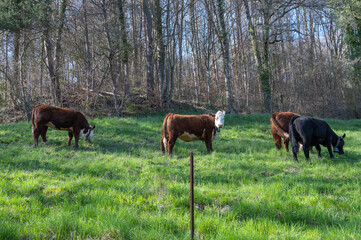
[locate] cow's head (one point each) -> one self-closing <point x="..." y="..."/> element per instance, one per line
<point x="88" y="133"/>
<point x="218" y="119"/>
<point x="339" y="145"/>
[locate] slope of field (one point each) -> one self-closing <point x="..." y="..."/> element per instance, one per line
<point x="122" y="187"/>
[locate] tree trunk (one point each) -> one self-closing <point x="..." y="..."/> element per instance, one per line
<point x="161" y="52"/>
<point x="87" y="53"/>
<point x="149" y="52"/>
<point x="57" y="50"/>
<point x="53" y="55"/>
<point x="180" y="52"/>
<point x="194" y="47"/>
<point x="262" y="67"/>
<point x="111" y="59"/>
<point x="225" y="52"/>
<point x="125" y="47"/>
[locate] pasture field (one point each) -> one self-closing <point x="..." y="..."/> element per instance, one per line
<point x="122" y="187"/>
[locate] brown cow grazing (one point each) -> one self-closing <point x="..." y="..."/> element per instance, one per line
<point x="190" y="128"/>
<point x="279" y="128"/>
<point x="64" y="119"/>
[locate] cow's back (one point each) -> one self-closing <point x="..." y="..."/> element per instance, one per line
<point x="312" y="127"/>
<point x="280" y="121"/>
<point x="59" y="117"/>
<point x="194" y="124"/>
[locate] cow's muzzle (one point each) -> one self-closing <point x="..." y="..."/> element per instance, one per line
<point x="87" y="137"/>
<point x="337" y="150"/>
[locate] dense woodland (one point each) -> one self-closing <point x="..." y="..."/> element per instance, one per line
<point x="119" y="57"/>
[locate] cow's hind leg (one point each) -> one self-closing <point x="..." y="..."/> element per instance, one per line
<point x="36" y="134"/>
<point x="163" y="144"/>
<point x="70" y="137"/>
<point x="306" y="150"/>
<point x="294" y="155"/>
<point x="285" y="143"/>
<point x="278" y="140"/>
<point x="171" y="143"/>
<point x="43" y="134"/>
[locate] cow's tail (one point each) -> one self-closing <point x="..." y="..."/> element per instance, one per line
<point x="280" y="129"/>
<point x="32" y="122"/>
<point x="164" y="140"/>
<point x="292" y="136"/>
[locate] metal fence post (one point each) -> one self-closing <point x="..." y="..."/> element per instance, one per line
<point x="192" y="196"/>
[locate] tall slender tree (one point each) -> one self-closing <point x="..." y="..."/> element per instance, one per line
<point x="223" y="38"/>
<point x="149" y="49"/>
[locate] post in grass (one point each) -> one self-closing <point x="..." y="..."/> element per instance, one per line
<point x="191" y="196"/>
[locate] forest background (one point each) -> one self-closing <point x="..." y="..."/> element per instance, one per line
<point x="124" y="57"/>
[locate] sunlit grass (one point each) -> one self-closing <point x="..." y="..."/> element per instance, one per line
<point x="122" y="187"/>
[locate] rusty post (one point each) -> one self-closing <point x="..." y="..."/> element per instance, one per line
<point x="192" y="196"/>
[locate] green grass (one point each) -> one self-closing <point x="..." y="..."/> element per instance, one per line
<point x="122" y="187"/>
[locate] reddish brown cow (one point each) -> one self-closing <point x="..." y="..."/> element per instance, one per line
<point x="190" y="128"/>
<point x="64" y="119"/>
<point x="279" y="127"/>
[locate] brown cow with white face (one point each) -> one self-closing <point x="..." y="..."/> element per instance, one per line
<point x="63" y="119"/>
<point x="279" y="127"/>
<point x="190" y="128"/>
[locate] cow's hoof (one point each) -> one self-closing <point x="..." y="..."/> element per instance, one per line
<point x="46" y="143"/>
<point x="295" y="160"/>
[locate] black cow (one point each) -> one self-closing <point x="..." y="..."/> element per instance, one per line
<point x="313" y="132"/>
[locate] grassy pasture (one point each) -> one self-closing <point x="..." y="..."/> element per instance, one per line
<point x="122" y="187"/>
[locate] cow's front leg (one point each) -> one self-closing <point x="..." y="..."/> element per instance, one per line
<point x="330" y="151"/>
<point x="318" y="148"/>
<point x="76" y="136"/>
<point x="329" y="148"/>
<point x="70" y="137"/>
<point x="209" y="145"/>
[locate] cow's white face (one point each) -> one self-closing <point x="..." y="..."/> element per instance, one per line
<point x="89" y="134"/>
<point x="219" y="119"/>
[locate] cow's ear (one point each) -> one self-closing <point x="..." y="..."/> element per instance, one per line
<point x="93" y="127"/>
<point x="224" y="112"/>
<point x="344" y="135"/>
<point x="212" y="115"/>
